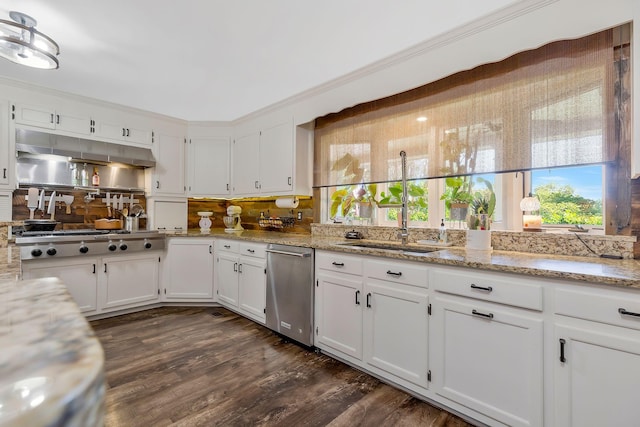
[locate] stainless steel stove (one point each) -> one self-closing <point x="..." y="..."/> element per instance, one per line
<point x="39" y="245"/>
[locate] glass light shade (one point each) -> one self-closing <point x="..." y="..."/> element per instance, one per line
<point x="529" y="204"/>
<point x="21" y="43"/>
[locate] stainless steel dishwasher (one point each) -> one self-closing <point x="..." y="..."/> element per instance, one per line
<point x="290" y="292"/>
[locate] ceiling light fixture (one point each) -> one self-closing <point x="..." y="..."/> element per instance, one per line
<point x="21" y="43"/>
<point x="422" y="119"/>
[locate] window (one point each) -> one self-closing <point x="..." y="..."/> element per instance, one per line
<point x="552" y="109"/>
<point x="570" y="196"/>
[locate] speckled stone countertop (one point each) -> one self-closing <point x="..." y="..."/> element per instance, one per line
<point x="625" y="273"/>
<point x="51" y="363"/>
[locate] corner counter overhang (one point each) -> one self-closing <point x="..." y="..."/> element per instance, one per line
<point x="51" y="363"/>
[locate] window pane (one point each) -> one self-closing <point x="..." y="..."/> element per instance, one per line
<point x="570" y="195"/>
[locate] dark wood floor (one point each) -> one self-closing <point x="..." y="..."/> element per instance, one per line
<point x="208" y="366"/>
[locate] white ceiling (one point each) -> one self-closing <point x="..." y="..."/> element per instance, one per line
<point x="221" y="60"/>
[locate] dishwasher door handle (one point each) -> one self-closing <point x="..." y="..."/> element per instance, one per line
<point x="301" y="255"/>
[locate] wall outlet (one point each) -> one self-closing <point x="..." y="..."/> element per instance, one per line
<point x="299" y="216"/>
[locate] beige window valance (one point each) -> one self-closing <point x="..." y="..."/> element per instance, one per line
<point x="548" y="107"/>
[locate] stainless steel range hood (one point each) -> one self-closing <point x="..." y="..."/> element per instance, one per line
<point x="34" y="142"/>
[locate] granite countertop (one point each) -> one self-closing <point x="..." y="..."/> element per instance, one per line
<point x="625" y="273"/>
<point x="51" y="363"/>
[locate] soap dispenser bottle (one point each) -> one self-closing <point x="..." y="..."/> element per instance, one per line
<point x="442" y="235"/>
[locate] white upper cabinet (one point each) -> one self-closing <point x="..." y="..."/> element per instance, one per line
<point x="72" y="121"/>
<point x="208" y="166"/>
<point x="121" y="127"/>
<point x="246" y="165"/>
<point x="7" y="159"/>
<point x="275" y="160"/>
<point x="167" y="178"/>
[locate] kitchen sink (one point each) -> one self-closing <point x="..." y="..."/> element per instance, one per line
<point x="388" y="247"/>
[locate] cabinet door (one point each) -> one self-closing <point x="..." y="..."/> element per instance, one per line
<point x="168" y="215"/>
<point x="338" y="316"/>
<point x="490" y="361"/>
<point x="168" y="176"/>
<point x="188" y="269"/>
<point x="597" y="384"/>
<point x="79" y="276"/>
<point x="276" y="159"/>
<point x="396" y="326"/>
<point x="35" y="115"/>
<point x="252" y="288"/>
<point x="246" y="164"/>
<point x="137" y="134"/>
<point x="227" y="279"/>
<point x="110" y="128"/>
<point x="129" y="280"/>
<point x="6" y="146"/>
<point x="72" y="122"/>
<point x="209" y="166"/>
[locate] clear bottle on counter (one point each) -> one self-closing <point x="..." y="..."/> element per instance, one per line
<point x="442" y="235"/>
<point x="84" y="176"/>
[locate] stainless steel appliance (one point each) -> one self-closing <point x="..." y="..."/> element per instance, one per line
<point x="40" y="245"/>
<point x="289" y="308"/>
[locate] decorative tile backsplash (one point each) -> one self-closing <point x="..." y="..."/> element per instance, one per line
<point x="552" y="243"/>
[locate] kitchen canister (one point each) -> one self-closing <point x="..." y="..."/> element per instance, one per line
<point x="131" y="223"/>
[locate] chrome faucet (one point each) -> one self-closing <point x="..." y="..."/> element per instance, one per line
<point x="404" y="231"/>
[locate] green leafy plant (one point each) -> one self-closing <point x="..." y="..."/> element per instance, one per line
<point x="484" y="202"/>
<point x="347" y="197"/>
<point x="416" y="192"/>
<point x="457" y="190"/>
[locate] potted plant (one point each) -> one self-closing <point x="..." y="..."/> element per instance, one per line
<point x="457" y="196"/>
<point x="416" y="193"/>
<point x="361" y="198"/>
<point x="479" y="220"/>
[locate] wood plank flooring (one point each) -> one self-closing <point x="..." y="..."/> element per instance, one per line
<point x="208" y="367"/>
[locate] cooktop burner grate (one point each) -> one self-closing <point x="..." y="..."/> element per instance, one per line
<point x="78" y="232"/>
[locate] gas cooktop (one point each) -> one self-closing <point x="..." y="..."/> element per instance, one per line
<point x="77" y="232"/>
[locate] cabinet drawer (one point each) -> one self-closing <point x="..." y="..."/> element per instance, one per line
<point x="227" y="246"/>
<point x="397" y="271"/>
<point x="617" y="309"/>
<point x="339" y="262"/>
<point x="252" y="249"/>
<point x="502" y="289"/>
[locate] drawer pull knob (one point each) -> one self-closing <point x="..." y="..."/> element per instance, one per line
<point x="628" y="313"/>
<point x="338" y="264"/>
<point x="357" y="297"/>
<point x="562" y="343"/>
<point x="477" y="313"/>
<point x="392" y="273"/>
<point x="481" y="288"/>
<point x="250" y="251"/>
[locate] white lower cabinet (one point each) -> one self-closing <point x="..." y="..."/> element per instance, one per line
<point x="241" y="280"/>
<point x="396" y="330"/>
<point x="339" y="313"/>
<point x="488" y="358"/>
<point x="596" y="355"/>
<point x="187" y="273"/>
<point x="102" y="285"/>
<point x="80" y="277"/>
<point x="130" y="280"/>
<point x="375" y="323"/>
<point x="487" y="344"/>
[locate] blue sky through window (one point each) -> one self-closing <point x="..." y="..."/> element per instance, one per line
<point x="585" y="180"/>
